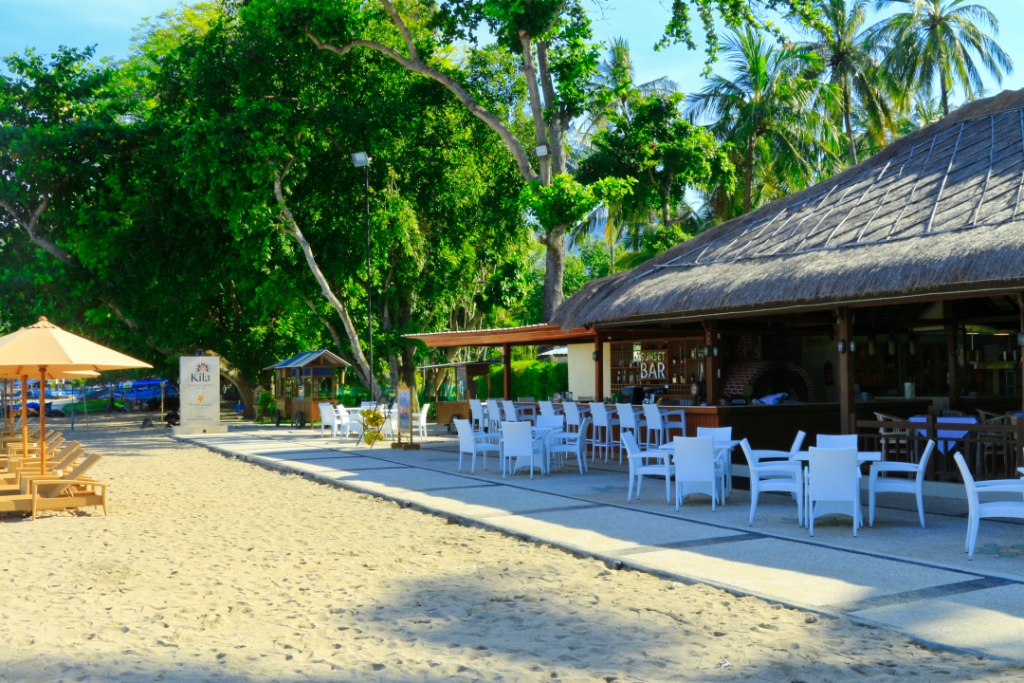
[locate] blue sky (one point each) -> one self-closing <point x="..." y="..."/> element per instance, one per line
<point x="45" y="24"/>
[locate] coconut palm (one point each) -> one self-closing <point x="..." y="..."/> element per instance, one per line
<point x="850" y="66"/>
<point x="766" y="107"/>
<point x="939" y="41"/>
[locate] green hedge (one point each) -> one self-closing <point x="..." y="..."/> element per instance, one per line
<point x="539" y="379"/>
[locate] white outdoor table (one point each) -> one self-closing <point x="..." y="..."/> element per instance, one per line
<point x="862" y="456"/>
<point x="945" y="437"/>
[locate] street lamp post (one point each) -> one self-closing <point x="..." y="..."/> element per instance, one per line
<point x="362" y="160"/>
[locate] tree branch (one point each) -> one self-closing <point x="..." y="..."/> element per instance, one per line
<point x="401" y="27"/>
<point x="452" y="85"/>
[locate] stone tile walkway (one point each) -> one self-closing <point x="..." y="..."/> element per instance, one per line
<point x="894" y="575"/>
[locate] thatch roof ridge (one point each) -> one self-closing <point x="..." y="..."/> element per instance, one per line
<point x="961" y="173"/>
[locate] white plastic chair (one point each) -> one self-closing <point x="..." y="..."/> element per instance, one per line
<point x="628" y="422"/>
<point x="878" y="484"/>
<point x="977" y="511"/>
<point x="784" y="476"/>
<point x="837" y="441"/>
<point x="832" y="477"/>
<point x="346" y="424"/>
<point x="761" y="455"/>
<point x="656" y="430"/>
<point x="420" y="419"/>
<point x="649" y="463"/>
<point x="721" y="434"/>
<point x="518" y="444"/>
<point x="547" y="408"/>
<point x="494" y="416"/>
<point x="508" y="411"/>
<point x="555" y="422"/>
<point x="328" y="418"/>
<point x="572" y="416"/>
<point x="697" y="470"/>
<point x="566" y="443"/>
<point x="476" y="412"/>
<point x="474" y="443"/>
<point x="602" y="437"/>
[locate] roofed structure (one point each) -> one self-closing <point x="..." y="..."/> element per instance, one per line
<point x="939" y="211"/>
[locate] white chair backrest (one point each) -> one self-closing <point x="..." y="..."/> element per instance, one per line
<point x="798" y="442"/>
<point x="517" y="439"/>
<point x="584" y="426"/>
<point x="600" y="414"/>
<point x="509" y="408"/>
<point x="572" y="413"/>
<point x="627" y="418"/>
<point x="652" y="413"/>
<point x="837" y="441"/>
<point x="752" y="462"/>
<point x="551" y="421"/>
<point x="547" y="408"/>
<point x="972" y="490"/>
<point x="629" y="443"/>
<point x="694" y="458"/>
<point x="494" y="412"/>
<point x="424" y="409"/>
<point x="477" y="411"/>
<point x="342" y="414"/>
<point x="467" y="444"/>
<point x="922" y="464"/>
<point x="716" y="433"/>
<point x="833" y="474"/>
<point x="327" y="414"/>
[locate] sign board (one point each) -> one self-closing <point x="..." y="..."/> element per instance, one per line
<point x="404" y="409"/>
<point x="199" y="390"/>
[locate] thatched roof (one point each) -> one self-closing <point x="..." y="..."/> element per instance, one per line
<point x="937" y="211"/>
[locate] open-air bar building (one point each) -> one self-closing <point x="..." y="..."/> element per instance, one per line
<point x="891" y="290"/>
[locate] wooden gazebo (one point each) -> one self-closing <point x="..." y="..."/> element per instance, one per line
<point x="302" y="381"/>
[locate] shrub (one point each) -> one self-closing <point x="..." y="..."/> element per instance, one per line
<point x="539" y="379"/>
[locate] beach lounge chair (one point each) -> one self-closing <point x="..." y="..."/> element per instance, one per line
<point x="61" y="461"/>
<point x="69" y="492"/>
<point x="78" y="472"/>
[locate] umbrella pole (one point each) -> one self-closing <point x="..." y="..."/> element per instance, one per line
<point x="24" y="415"/>
<point x="42" y="420"/>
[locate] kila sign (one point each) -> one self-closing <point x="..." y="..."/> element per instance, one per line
<point x="200" y="395"/>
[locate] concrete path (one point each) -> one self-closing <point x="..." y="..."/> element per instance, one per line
<point x="894" y="575"/>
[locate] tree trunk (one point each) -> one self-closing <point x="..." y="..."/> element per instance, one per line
<point x="748" y="174"/>
<point x="944" y="90"/>
<point x="246" y="389"/>
<point x="409" y="374"/>
<point x="361" y="363"/>
<point x="554" y="272"/>
<point x="536" y="105"/>
<point x="847" y="120"/>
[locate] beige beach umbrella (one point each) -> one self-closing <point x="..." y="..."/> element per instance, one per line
<point x="45" y="348"/>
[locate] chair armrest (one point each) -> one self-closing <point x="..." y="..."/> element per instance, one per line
<point x="908" y="467"/>
<point x="998" y="482"/>
<point x="761" y="454"/>
<point x="1017" y="488"/>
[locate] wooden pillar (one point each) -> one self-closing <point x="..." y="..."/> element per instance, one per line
<point x="1020" y="307"/>
<point x="951" y="342"/>
<point x="507" y="361"/>
<point x="844" y="369"/>
<point x="598" y="369"/>
<point x="712" y="363"/>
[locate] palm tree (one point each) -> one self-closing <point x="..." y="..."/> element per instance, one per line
<point x="767" y="109"/>
<point x="934" y="40"/>
<point x="850" y="65"/>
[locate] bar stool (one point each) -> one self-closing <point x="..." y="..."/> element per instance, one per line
<point x="628" y="423"/>
<point x="656" y="430"/>
<point x="603" y="424"/>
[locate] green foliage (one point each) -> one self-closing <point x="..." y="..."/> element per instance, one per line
<point x="566" y="201"/>
<point x="539" y="379"/>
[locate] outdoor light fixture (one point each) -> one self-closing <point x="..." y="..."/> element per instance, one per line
<point x="594" y="356"/>
<point x="542" y="151"/>
<point x="707" y="351"/>
<point x="362" y="160"/>
<point x="1020" y="338"/>
<point x="841" y="345"/>
<point x="853" y="346"/>
<point x="714" y="351"/>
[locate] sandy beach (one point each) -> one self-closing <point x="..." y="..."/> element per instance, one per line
<point x="208" y="568"/>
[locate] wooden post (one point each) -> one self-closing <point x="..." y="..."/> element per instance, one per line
<point x="42" y="421"/>
<point x="507" y="361"/>
<point x="24" y="415"/>
<point x="951" y="341"/>
<point x="712" y="363"/>
<point x="844" y="368"/>
<point x="1020" y="307"/>
<point x="598" y="369"/>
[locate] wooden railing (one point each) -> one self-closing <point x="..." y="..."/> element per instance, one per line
<point x="992" y="451"/>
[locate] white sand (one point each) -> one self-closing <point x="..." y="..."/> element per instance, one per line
<point x="213" y="569"/>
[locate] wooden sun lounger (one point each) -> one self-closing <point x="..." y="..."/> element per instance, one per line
<point x="55" y="495"/>
<point x="78" y="473"/>
<point x="61" y="461"/>
<point x="33" y="433"/>
<point x="52" y="443"/>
